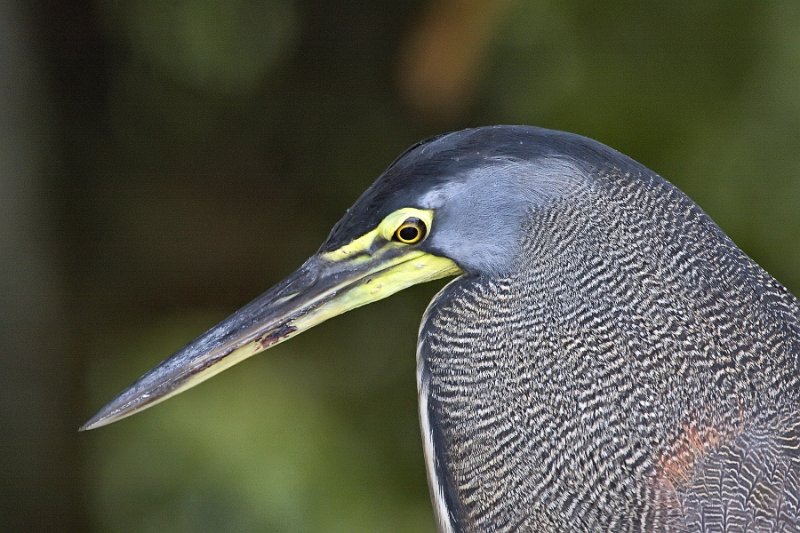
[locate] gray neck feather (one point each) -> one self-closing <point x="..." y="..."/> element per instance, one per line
<point x="494" y="203"/>
<point x="627" y="318"/>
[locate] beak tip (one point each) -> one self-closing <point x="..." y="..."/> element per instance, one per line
<point x="95" y="422"/>
<point x="105" y="416"/>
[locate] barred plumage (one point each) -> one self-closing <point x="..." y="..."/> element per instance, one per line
<point x="634" y="371"/>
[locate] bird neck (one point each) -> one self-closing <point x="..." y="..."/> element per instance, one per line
<point x="629" y="326"/>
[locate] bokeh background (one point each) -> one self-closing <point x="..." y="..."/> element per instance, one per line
<point x="163" y="162"/>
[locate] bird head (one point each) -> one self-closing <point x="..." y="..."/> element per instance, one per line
<point x="454" y="204"/>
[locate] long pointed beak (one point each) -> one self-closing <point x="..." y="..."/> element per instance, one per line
<point x="325" y="286"/>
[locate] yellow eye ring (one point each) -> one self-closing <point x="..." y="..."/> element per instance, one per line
<point x="411" y="231"/>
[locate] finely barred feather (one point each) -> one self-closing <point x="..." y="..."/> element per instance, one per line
<point x="634" y="371"/>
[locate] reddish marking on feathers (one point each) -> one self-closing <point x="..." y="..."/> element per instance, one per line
<point x="676" y="467"/>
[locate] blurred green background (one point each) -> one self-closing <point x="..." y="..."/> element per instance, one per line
<point x="163" y="162"/>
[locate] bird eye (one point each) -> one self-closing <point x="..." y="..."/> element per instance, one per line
<point x="411" y="231"/>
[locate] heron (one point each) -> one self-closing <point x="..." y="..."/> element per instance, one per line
<point x="605" y="358"/>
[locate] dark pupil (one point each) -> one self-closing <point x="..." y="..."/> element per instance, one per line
<point x="408" y="233"/>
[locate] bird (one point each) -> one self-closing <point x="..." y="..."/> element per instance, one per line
<point x="604" y="358"/>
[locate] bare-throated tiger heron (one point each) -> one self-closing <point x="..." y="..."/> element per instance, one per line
<point x="606" y="359"/>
